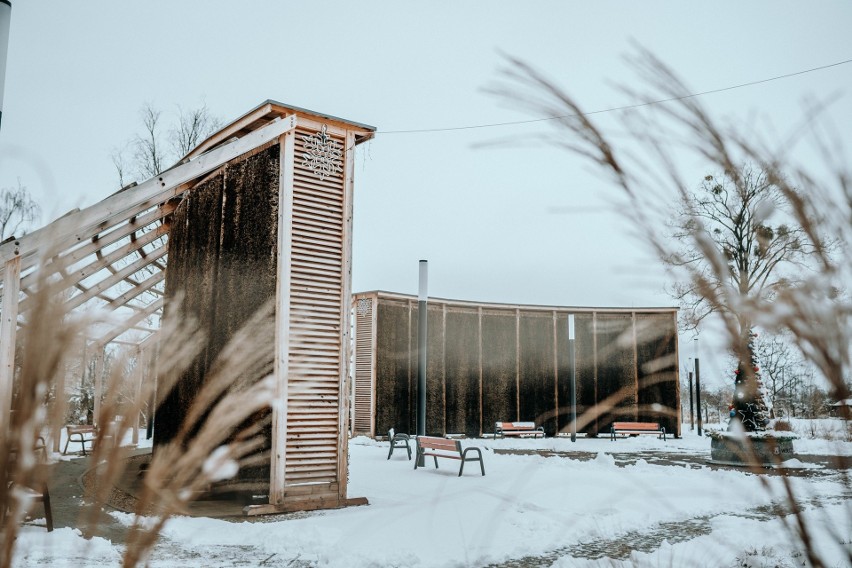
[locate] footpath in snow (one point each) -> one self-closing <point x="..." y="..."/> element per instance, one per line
<point x="588" y="504"/>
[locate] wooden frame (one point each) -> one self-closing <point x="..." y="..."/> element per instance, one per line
<point x="115" y="254"/>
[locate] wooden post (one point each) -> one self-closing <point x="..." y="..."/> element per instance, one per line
<point x="479" y="315"/>
<point x="141" y="359"/>
<point x="557" y="413"/>
<point x="8" y="337"/>
<point x="595" y="365"/>
<point x="635" y="366"/>
<point x="444" y="367"/>
<point x="374" y="355"/>
<point x="346" y="323"/>
<point x="99" y="383"/>
<point x="277" y="479"/>
<point x="517" y="364"/>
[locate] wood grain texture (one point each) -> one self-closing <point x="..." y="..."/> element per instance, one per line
<point x="462" y="372"/>
<point x="537" y="378"/>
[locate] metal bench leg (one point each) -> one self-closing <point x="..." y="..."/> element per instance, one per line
<point x="479" y="459"/>
<point x="65" y="450"/>
<point x="408" y="449"/>
<point x="390" y="451"/>
<point x="48" y="512"/>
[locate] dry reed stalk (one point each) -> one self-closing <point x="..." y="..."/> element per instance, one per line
<point x="47" y="341"/>
<point x="817" y="311"/>
<point x="216" y="439"/>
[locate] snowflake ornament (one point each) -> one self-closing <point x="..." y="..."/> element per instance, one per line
<point x="322" y="154"/>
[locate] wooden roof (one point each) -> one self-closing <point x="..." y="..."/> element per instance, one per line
<point x="270" y="110"/>
<point x="113" y="255"/>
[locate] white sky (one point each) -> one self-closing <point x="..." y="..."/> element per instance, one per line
<point x="78" y="73"/>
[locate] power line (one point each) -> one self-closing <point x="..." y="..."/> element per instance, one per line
<point x="613" y="109"/>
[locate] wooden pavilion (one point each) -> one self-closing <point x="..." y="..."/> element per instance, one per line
<point x="489" y="362"/>
<point x="278" y="180"/>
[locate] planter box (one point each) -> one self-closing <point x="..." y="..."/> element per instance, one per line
<point x="763" y="450"/>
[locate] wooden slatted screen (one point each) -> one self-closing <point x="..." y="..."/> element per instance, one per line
<point x="315" y="342"/>
<point x="364" y="404"/>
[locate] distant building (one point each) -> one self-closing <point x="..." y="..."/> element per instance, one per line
<point x="504" y="362"/>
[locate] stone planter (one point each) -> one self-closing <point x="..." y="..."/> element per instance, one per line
<point x="764" y="450"/>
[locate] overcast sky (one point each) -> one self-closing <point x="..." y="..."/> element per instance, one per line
<point x="505" y="223"/>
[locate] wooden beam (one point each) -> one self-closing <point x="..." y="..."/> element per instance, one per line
<point x="99" y="242"/>
<point x="114" y="279"/>
<point x="136" y="291"/>
<point x="303" y="505"/>
<point x="78" y="226"/>
<point x="127" y="324"/>
<point x="99" y="382"/>
<point x="103" y="262"/>
<point x="230" y="130"/>
<point x="277" y="476"/>
<point x="142" y="360"/>
<point x="345" y="324"/>
<point x="556" y="371"/>
<point x="8" y="339"/>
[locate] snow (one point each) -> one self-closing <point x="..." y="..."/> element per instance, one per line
<point x="220" y="465"/>
<point x="578" y="507"/>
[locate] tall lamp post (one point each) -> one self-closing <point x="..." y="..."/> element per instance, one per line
<point x="422" y="294"/>
<point x="573" y="357"/>
<point x="697" y="384"/>
<point x="691" y="406"/>
<point x="5" y="21"/>
<point x="421" y="348"/>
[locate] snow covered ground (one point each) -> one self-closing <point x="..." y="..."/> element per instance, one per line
<point x="580" y="507"/>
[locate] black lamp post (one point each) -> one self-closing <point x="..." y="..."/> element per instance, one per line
<point x="5" y="21"/>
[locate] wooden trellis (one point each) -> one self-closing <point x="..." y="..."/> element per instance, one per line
<point x="114" y="256"/>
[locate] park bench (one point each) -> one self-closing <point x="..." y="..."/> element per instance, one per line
<point x="398" y="440"/>
<point x="446" y="448"/>
<point x="635" y="428"/>
<point x="522" y="429"/>
<point x="80" y="434"/>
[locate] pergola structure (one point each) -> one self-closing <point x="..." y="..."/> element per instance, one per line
<point x="113" y="256"/>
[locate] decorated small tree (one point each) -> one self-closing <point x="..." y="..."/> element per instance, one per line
<point x="749" y="404"/>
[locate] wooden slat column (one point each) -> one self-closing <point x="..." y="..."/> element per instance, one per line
<point x="278" y="465"/>
<point x="346" y="328"/>
<point x="8" y="337"/>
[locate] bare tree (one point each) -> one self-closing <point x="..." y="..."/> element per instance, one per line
<point x="193" y="126"/>
<point x="148" y="151"/>
<point x="732" y="210"/>
<point x="160" y="145"/>
<point x="645" y="167"/>
<point x="17" y="210"/>
<point x="782" y="368"/>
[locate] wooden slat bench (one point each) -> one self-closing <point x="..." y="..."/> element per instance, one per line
<point x="634" y="428"/>
<point x="445" y="448"/>
<point x="522" y="429"/>
<point x="77" y="433"/>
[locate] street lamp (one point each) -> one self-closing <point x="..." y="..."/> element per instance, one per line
<point x="5" y="21"/>
<point x="697" y="383"/>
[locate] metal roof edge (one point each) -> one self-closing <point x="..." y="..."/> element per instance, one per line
<point x="535" y="307"/>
